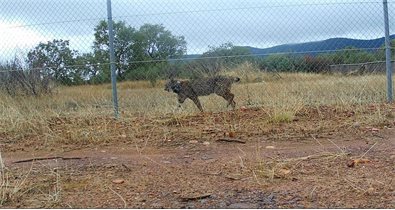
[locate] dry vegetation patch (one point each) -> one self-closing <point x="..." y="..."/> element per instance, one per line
<point x="287" y="145"/>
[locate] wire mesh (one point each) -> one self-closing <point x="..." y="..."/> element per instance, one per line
<point x="286" y="53"/>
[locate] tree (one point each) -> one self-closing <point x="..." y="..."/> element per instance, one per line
<point x="350" y="55"/>
<point x="228" y="54"/>
<point x="154" y="42"/>
<point x="278" y="62"/>
<point x="92" y="69"/>
<point x="213" y="61"/>
<point x="124" y="37"/>
<point x="145" y="48"/>
<point x="55" y="60"/>
<point x="380" y="53"/>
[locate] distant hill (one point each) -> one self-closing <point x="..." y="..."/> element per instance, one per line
<point x="316" y="47"/>
<point x="321" y="46"/>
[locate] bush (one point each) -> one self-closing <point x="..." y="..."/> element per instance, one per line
<point x="14" y="80"/>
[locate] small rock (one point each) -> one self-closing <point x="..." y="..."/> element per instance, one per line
<point x="157" y="205"/>
<point x="206" y="143"/>
<point x="269" y="147"/>
<point x="206" y="157"/>
<point x="193" y="142"/>
<point x="166" y="162"/>
<point x="243" y="108"/>
<point x="222" y="205"/>
<point x="284" y="172"/>
<point x="370" y="191"/>
<point x="118" y="181"/>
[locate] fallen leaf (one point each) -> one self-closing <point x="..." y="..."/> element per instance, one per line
<point x="232" y="134"/>
<point x="118" y="181"/>
<point x="269" y="147"/>
<point x="284" y="171"/>
<point x="355" y="162"/>
<point x="351" y="164"/>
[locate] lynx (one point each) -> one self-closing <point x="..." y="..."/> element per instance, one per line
<point x="192" y="89"/>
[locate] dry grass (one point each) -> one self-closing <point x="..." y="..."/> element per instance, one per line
<point x="283" y="94"/>
<point x="267" y="170"/>
<point x="11" y="188"/>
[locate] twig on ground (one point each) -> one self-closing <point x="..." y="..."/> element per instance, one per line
<point x="120" y="196"/>
<point x="48" y="158"/>
<point x="232" y="140"/>
<point x="2" y="166"/>
<point x="196" y="197"/>
<point x="126" y="167"/>
<point x="341" y="150"/>
<point x="309" y="157"/>
<point x="368" y="150"/>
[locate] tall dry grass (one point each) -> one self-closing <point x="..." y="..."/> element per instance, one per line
<point x="284" y="93"/>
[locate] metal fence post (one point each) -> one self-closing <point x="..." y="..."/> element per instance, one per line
<point x="112" y="60"/>
<point x="388" y="53"/>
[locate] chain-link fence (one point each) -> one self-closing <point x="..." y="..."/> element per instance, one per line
<point x="286" y="53"/>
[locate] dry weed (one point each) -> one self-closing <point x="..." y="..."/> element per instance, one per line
<point x="283" y="94"/>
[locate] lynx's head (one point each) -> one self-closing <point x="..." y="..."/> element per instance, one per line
<point x="173" y="85"/>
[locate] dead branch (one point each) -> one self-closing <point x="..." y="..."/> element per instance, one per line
<point x="311" y="157"/>
<point x="232" y="140"/>
<point x="48" y="158"/>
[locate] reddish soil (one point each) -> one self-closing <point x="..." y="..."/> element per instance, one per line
<point x="324" y="158"/>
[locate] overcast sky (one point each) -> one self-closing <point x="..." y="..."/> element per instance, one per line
<point x="257" y="23"/>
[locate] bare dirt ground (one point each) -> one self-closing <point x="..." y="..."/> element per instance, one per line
<point x="324" y="158"/>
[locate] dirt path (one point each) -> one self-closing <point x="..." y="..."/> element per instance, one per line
<point x="314" y="173"/>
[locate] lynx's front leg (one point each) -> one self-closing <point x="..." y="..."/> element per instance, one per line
<point x="197" y="103"/>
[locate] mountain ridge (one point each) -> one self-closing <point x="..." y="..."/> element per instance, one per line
<point x="315" y="47"/>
